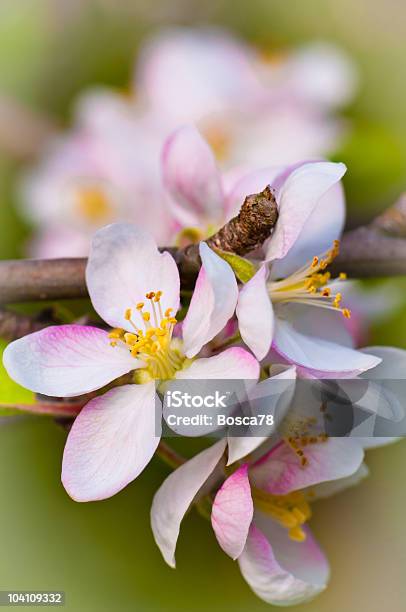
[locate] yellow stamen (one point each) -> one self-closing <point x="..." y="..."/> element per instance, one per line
<point x="153" y="345"/>
<point x="308" y="285"/>
<point x="93" y="204"/>
<point x="116" y="334"/>
<point x="290" y="511"/>
<point x="297" y="534"/>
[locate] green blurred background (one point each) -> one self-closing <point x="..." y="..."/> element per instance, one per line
<point x="102" y="554"/>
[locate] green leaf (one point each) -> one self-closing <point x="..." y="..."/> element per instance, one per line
<point x="243" y="268"/>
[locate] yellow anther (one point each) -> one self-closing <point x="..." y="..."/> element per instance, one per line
<point x="347" y="313"/>
<point x="128" y="314"/>
<point x="342" y="276"/>
<point x="315" y="262"/>
<point x="164" y="323"/>
<point x="158" y="296"/>
<point x="160" y="332"/>
<point x="116" y="334"/>
<point x="150" y="295"/>
<point x="113" y="343"/>
<point x="130" y="339"/>
<point x="299" y="515"/>
<point x="297" y="534"/>
<point x="326" y="292"/>
<point x="337" y="300"/>
<point x="140" y="305"/>
<point x="168" y="312"/>
<point x="286" y="519"/>
<point x="151" y="331"/>
<point x="146" y="316"/>
<point x="173" y="320"/>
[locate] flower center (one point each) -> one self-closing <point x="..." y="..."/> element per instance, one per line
<point x="218" y="138"/>
<point x="291" y="510"/>
<point x="152" y="340"/>
<point x="93" y="204"/>
<point x="308" y="285"/>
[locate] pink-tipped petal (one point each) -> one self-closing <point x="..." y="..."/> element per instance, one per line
<point x="233" y="363"/>
<point x="175" y="495"/>
<point x="111" y="441"/>
<point x="318" y="355"/>
<point x="124" y="265"/>
<point x="281" y="470"/>
<point x="213" y="302"/>
<point x="232" y="512"/>
<point x="297" y="198"/>
<point x="255" y="314"/>
<point x="324" y="225"/>
<point x="67" y="360"/>
<point x="279" y="570"/>
<point x="191" y="176"/>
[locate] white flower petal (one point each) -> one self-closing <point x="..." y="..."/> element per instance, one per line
<point x="124" y="265"/>
<point x="297" y="198"/>
<point x="332" y="487"/>
<point x="175" y="495"/>
<point x="234" y="363"/>
<point x="255" y="314"/>
<point x="111" y="441"/>
<point x="213" y="302"/>
<point x="279" y="570"/>
<point x="67" y="360"/>
<point x="318" y="355"/>
<point x="324" y="225"/>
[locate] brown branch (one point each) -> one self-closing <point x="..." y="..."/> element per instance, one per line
<point x="375" y="250"/>
<point x="49" y="279"/>
<point x="57" y="279"/>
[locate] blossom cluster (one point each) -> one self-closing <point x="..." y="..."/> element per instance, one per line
<point x="210" y="123"/>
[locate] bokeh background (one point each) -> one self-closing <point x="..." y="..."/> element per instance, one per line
<point x="102" y="554"/>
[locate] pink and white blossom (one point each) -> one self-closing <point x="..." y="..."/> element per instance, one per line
<point x="254" y="113"/>
<point x="254" y="110"/>
<point x="260" y="512"/>
<point x="135" y="289"/>
<point x="291" y="304"/>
